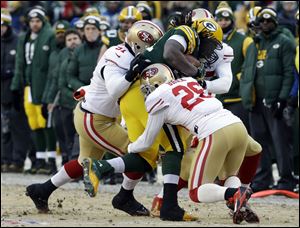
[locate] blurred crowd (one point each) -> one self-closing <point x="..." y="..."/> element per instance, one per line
<point x="49" y="49"/>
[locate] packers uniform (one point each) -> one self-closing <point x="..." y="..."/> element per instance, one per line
<point x="132" y="104"/>
<point x="155" y="52"/>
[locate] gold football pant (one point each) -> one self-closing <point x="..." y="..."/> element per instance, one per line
<point x="99" y="134"/>
<point x="171" y="138"/>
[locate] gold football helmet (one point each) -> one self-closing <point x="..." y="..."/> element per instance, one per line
<point x="251" y="15"/>
<point x="153" y="76"/>
<point x="130" y="12"/>
<point x="142" y="34"/>
<point x="201" y="13"/>
<point x="208" y="28"/>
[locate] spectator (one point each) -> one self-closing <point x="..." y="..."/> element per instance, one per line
<point x="33" y="51"/>
<point x="111" y="11"/>
<point x="286" y="17"/>
<point x="63" y="112"/>
<point x="14" y="125"/>
<point x="83" y="61"/>
<point x="266" y="81"/>
<point x="232" y="100"/>
<point x="50" y="96"/>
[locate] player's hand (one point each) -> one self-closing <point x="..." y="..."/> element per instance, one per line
<point x="137" y="65"/>
<point x="201" y="72"/>
<point x="202" y="83"/>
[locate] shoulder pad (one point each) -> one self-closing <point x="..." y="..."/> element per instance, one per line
<point x="119" y="55"/>
<point x="190" y="37"/>
<point x="155" y="102"/>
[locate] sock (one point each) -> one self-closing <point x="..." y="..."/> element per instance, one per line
<point x="170" y="195"/>
<point x="208" y="193"/>
<point x="248" y="169"/>
<point x="181" y="184"/>
<point x="131" y="180"/>
<point x="118" y="164"/>
<point x="232" y="182"/>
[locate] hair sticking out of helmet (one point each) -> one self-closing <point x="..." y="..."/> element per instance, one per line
<point x="153" y="76"/>
<point x="142" y="35"/>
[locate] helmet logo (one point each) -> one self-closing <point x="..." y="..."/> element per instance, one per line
<point x="210" y="26"/>
<point x="150" y="73"/>
<point x="145" y="37"/>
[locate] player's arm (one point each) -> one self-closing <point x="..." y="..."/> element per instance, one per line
<point x="154" y="125"/>
<point x="224" y="73"/>
<point x="115" y="82"/>
<point x="223" y="83"/>
<point x="174" y="56"/>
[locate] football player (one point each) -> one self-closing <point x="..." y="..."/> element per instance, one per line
<point x="183" y="102"/>
<point x="95" y="116"/>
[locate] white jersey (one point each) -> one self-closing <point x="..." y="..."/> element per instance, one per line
<point x="220" y="68"/>
<point x="182" y="102"/>
<point x="108" y="83"/>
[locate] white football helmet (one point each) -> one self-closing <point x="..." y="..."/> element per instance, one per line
<point x="153" y="76"/>
<point x="201" y="13"/>
<point x="142" y="34"/>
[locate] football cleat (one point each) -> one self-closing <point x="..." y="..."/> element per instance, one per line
<point x="90" y="179"/>
<point x="176" y="214"/>
<point x="240" y="199"/>
<point x="34" y="191"/>
<point x="131" y="206"/>
<point x="249" y="215"/>
<point x="156" y="206"/>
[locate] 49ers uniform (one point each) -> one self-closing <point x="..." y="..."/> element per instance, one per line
<point x="218" y="71"/>
<point x="132" y="104"/>
<point x="224" y="138"/>
<point x="95" y="117"/>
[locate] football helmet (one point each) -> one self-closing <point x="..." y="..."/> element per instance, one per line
<point x="142" y="34"/>
<point x="251" y="16"/>
<point x="130" y="12"/>
<point x="208" y="28"/>
<point x="201" y="13"/>
<point x="153" y="76"/>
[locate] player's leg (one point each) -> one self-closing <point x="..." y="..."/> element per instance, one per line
<point x="89" y="147"/>
<point x="227" y="152"/>
<point x="250" y="163"/>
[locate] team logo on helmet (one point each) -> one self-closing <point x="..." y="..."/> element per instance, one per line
<point x="150" y="73"/>
<point x="210" y="26"/>
<point x="145" y="37"/>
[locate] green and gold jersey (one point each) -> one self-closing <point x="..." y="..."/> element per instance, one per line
<point x="113" y="38"/>
<point x="155" y="52"/>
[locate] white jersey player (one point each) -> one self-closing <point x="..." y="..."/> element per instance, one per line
<point x="223" y="136"/>
<point x="181" y="102"/>
<point x="95" y="114"/>
<point x="219" y="67"/>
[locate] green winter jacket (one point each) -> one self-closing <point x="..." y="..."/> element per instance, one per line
<point x="66" y="99"/>
<point x="82" y="64"/>
<point x="37" y="78"/>
<point x="51" y="87"/>
<point x="268" y="70"/>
